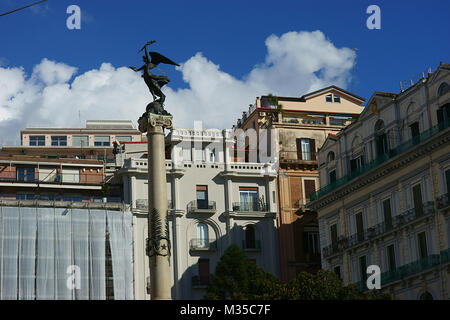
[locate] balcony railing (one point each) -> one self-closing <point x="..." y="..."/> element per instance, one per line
<point x="407" y="270"/>
<point x="202" y="245"/>
<point x="251" y="245"/>
<point x="52" y="178"/>
<point x="250" y="207"/>
<point x="143" y="204"/>
<point x="382" y="159"/>
<point x="202" y="206"/>
<point x="396" y="222"/>
<point x="295" y="156"/>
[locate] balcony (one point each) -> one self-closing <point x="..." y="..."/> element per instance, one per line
<point x="335" y="248"/>
<point x="397" y="222"/>
<point x="201" y="282"/>
<point x="408" y="270"/>
<point x="408" y="145"/>
<point x="52" y="178"/>
<point x="142" y="204"/>
<point x="250" y="207"/>
<point x="202" y="245"/>
<point x="296" y="157"/>
<point x="202" y="207"/>
<point x="251" y="245"/>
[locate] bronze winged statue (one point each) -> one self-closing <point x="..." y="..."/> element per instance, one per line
<point x="154" y="82"/>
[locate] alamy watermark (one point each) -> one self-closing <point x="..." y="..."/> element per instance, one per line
<point x="374" y="279"/>
<point x="74" y="20"/>
<point x="74" y="279"/>
<point x="374" y="20"/>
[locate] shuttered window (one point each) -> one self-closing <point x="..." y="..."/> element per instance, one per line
<point x="310" y="188"/>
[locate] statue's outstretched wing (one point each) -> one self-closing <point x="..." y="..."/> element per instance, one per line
<point x="159" y="58"/>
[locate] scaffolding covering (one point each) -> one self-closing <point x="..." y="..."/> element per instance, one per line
<point x="60" y="253"/>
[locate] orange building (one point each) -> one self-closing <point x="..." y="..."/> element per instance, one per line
<point x="297" y="127"/>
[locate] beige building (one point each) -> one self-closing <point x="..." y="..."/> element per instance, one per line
<point x="294" y="128"/>
<point x="384" y="192"/>
<point x="213" y="202"/>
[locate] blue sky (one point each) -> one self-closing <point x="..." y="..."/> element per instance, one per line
<point x="229" y="34"/>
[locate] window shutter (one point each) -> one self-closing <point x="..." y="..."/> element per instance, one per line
<point x="305" y="242"/>
<point x="299" y="149"/>
<point x="312" y="145"/>
<point x="310" y="188"/>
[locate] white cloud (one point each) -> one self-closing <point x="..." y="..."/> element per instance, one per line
<point x="296" y="63"/>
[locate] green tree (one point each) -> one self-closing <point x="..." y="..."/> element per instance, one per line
<point x="237" y="277"/>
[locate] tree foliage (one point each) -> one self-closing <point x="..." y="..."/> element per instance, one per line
<point x="238" y="278"/>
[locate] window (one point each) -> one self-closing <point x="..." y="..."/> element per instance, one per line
<point x="212" y="155"/>
<point x="37" y="140"/>
<point x="80" y="141"/>
<point x="250" y="241"/>
<point x="203" y="271"/>
<point x="387" y="214"/>
<point x="333" y="234"/>
<point x="356" y="163"/>
<point x="414" y="130"/>
<point x="202" y="197"/>
<point x="391" y="257"/>
<point x="248" y="197"/>
<point x="123" y="138"/>
<point x="329" y="98"/>
<point x="337" y="99"/>
<point x="363" y="267"/>
<point x="187" y="152"/>
<point x="359" y="226"/>
<point x="306" y="149"/>
<point x="313" y="242"/>
<point x="330" y="156"/>
<point x="381" y="139"/>
<point x="59" y="141"/>
<point x="333" y="98"/>
<point x="417" y="200"/>
<point x="332" y="176"/>
<point x="443" y="114"/>
<point x="101" y="141"/>
<point x="25" y="196"/>
<point x="310" y="187"/>
<point x="25" y="174"/>
<point x="443" y="89"/>
<point x="202" y="235"/>
<point x="422" y="242"/>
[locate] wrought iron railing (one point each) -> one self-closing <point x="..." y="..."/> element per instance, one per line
<point x="202" y="244"/>
<point x="250" y="207"/>
<point x="382" y="159"/>
<point x="199" y="205"/>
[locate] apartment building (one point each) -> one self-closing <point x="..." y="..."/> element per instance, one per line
<point x="384" y="192"/>
<point x="213" y="202"/>
<point x="292" y="129"/>
<point x="38" y="178"/>
<point x="94" y="142"/>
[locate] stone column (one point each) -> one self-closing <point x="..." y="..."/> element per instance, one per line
<point x="158" y="247"/>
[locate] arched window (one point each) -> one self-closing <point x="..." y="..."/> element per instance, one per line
<point x="443" y="89"/>
<point x="330" y="156"/>
<point x="250" y="241"/>
<point x="202" y="235"/>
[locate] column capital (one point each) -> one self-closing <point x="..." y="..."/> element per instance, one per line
<point x="154" y="121"/>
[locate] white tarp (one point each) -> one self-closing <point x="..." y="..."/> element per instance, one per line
<point x="41" y="247"/>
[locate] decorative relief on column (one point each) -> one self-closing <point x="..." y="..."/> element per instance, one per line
<point x="159" y="241"/>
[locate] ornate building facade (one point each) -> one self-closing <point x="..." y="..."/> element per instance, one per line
<point x="384" y="192"/>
